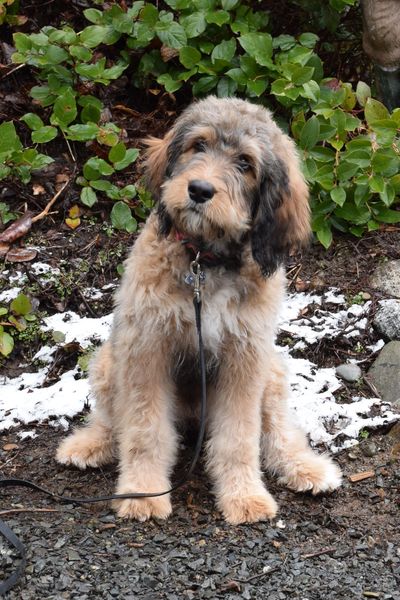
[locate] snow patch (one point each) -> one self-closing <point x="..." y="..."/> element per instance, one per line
<point x="23" y="399"/>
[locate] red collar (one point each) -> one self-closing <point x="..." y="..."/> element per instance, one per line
<point x="196" y="247"/>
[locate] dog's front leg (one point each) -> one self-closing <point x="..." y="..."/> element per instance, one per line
<point x="146" y="433"/>
<point x="234" y="443"/>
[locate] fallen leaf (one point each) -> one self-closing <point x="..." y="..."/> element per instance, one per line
<point x="168" y="53"/>
<point x="17" y="229"/>
<point x="72" y="223"/>
<point x="37" y="189"/>
<point x="62" y="178"/>
<point x="74" y="211"/>
<point x="21" y="254"/>
<point x="9" y="447"/>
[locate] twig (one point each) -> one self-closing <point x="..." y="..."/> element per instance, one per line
<point x="319" y="552"/>
<point x="50" y="204"/>
<point x="13" y="70"/>
<point x="69" y="148"/>
<point x="21" y="510"/>
<point x="259" y="575"/>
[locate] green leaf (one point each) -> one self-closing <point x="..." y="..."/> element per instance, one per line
<point x="363" y="92"/>
<point x="93" y="15"/>
<point x="64" y="110"/>
<point x="204" y="85"/>
<point x="100" y="165"/>
<point x="224" y="51"/>
<point x="324" y="235"/>
<point x="386" y="215"/>
<point x="6" y="343"/>
<point x="338" y="195"/>
<point x="9" y="140"/>
<point x="55" y="55"/>
<point x="130" y="157"/>
<point x="388" y="194"/>
<point x="377" y="184"/>
<point x="44" y="134"/>
<point x="33" y="121"/>
<point x="171" y="85"/>
<point x="21" y="305"/>
<point x="171" y="34"/>
<point x="310" y="133"/>
<point x="128" y="192"/>
<point x="259" y="46"/>
<point x="257" y="87"/>
<point x="308" y="39"/>
<point x="117" y="153"/>
<point x="121" y="217"/>
<point x="22" y="42"/>
<point x="189" y="57"/>
<point x="229" y="4"/>
<point x="226" y="87"/>
<point x="94" y="35"/>
<point x="375" y="110"/>
<point x="80" y="52"/>
<point x="218" y="17"/>
<point x="82" y="133"/>
<point x="102" y="185"/>
<point x="194" y="24"/>
<point x="42" y="94"/>
<point x="88" y="196"/>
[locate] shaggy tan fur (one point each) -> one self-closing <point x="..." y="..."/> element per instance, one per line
<point x="254" y="211"/>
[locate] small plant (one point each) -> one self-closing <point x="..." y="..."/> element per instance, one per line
<point x="15" y="160"/>
<point x="14" y="320"/>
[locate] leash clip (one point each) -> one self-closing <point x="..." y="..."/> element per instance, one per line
<point x="198" y="277"/>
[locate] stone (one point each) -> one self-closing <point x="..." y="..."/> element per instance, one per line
<point x="385" y="373"/>
<point x="387" y="319"/>
<point x="349" y="372"/>
<point x="386" y="278"/>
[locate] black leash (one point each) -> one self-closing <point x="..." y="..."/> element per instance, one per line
<point x="9" y="535"/>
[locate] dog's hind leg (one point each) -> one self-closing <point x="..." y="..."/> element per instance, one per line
<point x="285" y="449"/>
<point x="92" y="445"/>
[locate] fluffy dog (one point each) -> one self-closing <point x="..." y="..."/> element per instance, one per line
<point x="228" y="185"/>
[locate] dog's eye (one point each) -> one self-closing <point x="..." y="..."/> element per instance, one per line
<point x="199" y="146"/>
<point x="244" y="163"/>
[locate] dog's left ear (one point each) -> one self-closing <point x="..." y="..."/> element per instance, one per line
<point x="281" y="223"/>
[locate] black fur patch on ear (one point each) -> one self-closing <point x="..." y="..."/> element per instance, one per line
<point x="175" y="149"/>
<point x="164" y="219"/>
<point x="268" y="244"/>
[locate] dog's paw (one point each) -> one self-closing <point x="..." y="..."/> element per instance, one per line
<point x="143" y="509"/>
<point x="85" y="449"/>
<point x="315" y="474"/>
<point x="248" y="509"/>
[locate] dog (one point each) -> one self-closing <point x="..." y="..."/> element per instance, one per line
<point x="228" y="188"/>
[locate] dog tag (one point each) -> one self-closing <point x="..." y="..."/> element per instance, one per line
<point x="189" y="278"/>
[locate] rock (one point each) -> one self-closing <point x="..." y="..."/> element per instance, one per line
<point x="349" y="372"/>
<point x="386" y="278"/>
<point x="385" y="373"/>
<point x="387" y="319"/>
<point x="369" y="449"/>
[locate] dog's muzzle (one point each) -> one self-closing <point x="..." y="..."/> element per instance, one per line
<point x="200" y="191"/>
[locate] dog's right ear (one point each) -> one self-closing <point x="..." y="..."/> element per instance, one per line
<point x="156" y="162"/>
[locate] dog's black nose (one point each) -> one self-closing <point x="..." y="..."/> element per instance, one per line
<point x="200" y="191"/>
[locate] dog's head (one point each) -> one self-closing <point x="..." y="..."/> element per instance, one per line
<point x="226" y="173"/>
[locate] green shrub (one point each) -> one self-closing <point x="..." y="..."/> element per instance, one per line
<point x="348" y="141"/>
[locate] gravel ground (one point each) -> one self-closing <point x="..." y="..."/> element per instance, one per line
<point x="342" y="546"/>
